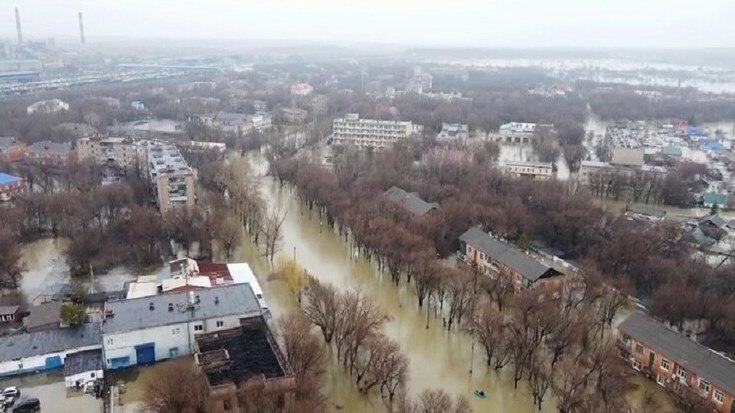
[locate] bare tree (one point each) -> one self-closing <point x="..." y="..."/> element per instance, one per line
<point x="11" y="266"/>
<point x="489" y="328"/>
<point x="322" y="305"/>
<point x="460" y="294"/>
<point x="271" y="231"/>
<point x="306" y="355"/>
<point x="163" y="393"/>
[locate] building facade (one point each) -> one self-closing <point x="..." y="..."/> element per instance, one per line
<point x="45" y="350"/>
<point x="11" y="150"/>
<point x="534" y="170"/>
<point x="51" y="153"/>
<point x="123" y="152"/>
<point x="516" y="133"/>
<point x="148" y="329"/>
<point x="677" y="363"/>
<point x="453" y="133"/>
<point x="371" y="133"/>
<point x="173" y="180"/>
<point x="495" y="257"/>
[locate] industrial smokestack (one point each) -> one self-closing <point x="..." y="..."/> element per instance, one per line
<point x="81" y="27"/>
<point x="17" y="26"/>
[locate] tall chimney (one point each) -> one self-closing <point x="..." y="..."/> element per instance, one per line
<point x="17" y="26"/>
<point x="81" y="27"/>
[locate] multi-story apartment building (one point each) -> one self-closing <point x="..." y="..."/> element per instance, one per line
<point x="596" y="173"/>
<point x="148" y="329"/>
<point x="535" y="170"/>
<point x="172" y="179"/>
<point x="678" y="363"/>
<point x="126" y="153"/>
<point x="516" y="133"/>
<point x="453" y="133"/>
<point x="494" y="257"/>
<point x="371" y="133"/>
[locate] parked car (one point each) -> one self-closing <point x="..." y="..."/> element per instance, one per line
<point x="28" y="405"/>
<point x="9" y="396"/>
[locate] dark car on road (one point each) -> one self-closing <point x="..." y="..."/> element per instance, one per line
<point x="28" y="405"/>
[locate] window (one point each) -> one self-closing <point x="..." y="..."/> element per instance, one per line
<point x="176" y="331"/>
<point x="703" y="385"/>
<point x="639" y="349"/>
<point x="661" y="380"/>
<point x="681" y="372"/>
<point x="110" y="341"/>
<point x="637" y="365"/>
<point x="220" y="323"/>
<point x="91" y="374"/>
<point x="173" y="352"/>
<point x="719" y="397"/>
<point x="198" y="327"/>
<point x="665" y="364"/>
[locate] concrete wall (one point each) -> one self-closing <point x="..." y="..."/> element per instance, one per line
<point x="71" y="381"/>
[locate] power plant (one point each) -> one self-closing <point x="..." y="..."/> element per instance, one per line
<point x="81" y="28"/>
<point x="17" y="26"/>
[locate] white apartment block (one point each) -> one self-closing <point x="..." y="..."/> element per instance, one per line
<point x="535" y="170"/>
<point x="371" y="133"/>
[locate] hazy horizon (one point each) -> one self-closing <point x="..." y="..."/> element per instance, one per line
<point x="462" y="24"/>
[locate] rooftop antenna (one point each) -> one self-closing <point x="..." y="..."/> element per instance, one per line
<point x="17" y="26"/>
<point x="81" y="28"/>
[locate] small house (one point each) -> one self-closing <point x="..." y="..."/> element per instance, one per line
<point x="10" y="314"/>
<point x="44" y="317"/>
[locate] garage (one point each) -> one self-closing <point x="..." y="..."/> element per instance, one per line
<point x="145" y="353"/>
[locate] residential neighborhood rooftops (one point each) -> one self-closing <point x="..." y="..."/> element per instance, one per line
<point x="83" y="361"/>
<point x="703" y="361"/>
<point x="50" y="147"/>
<point x="49" y="341"/>
<point x="8" y="179"/>
<point x="410" y="200"/>
<point x="44" y="316"/>
<point x="506" y="254"/>
<point x="153" y="311"/>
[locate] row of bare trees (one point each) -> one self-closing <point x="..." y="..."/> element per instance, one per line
<point x="645" y="260"/>
<point x="351" y="322"/>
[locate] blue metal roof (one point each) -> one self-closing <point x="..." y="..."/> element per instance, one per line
<point x="8" y="179"/>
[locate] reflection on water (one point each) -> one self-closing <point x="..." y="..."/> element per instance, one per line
<point x="47" y="271"/>
<point x="437" y="359"/>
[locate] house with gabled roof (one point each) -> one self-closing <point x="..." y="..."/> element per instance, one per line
<point x="678" y="363"/>
<point x="496" y="257"/>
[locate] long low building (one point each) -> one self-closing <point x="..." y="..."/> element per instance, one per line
<point x="46" y="350"/>
<point x="493" y="256"/>
<point x="677" y="362"/>
<point x="148" y="329"/>
<point x="534" y="170"/>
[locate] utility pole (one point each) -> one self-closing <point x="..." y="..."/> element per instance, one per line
<point x="17" y="26"/>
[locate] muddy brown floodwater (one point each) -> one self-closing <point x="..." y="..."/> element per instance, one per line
<point x="438" y="359"/>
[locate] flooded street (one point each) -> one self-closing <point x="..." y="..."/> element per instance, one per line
<point x="50" y="390"/>
<point x="437" y="359"/>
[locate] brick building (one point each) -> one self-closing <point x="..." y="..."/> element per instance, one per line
<point x="678" y="363"/>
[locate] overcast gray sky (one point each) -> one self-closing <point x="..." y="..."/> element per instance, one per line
<point x="487" y="23"/>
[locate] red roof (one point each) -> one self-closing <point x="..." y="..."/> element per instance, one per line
<point x="215" y="271"/>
